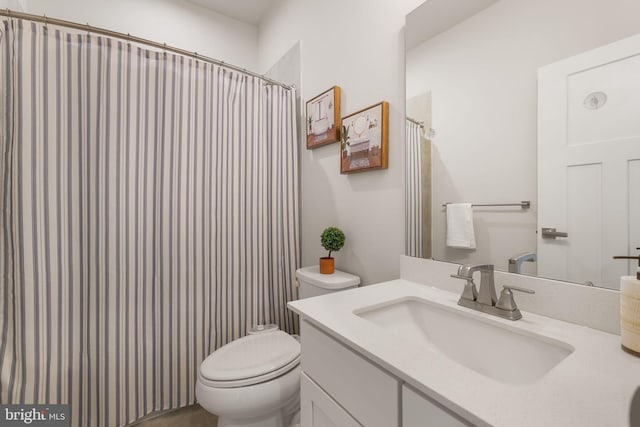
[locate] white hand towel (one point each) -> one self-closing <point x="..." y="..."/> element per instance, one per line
<point x="460" y="232"/>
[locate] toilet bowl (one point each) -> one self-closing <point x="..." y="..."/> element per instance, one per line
<point x="254" y="381"/>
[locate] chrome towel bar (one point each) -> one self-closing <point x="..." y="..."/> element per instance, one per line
<point x="525" y="204"/>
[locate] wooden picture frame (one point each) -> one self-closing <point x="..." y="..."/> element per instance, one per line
<point x="365" y="140"/>
<point x="323" y="118"/>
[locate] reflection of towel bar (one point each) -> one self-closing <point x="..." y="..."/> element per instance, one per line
<point x="526" y="204"/>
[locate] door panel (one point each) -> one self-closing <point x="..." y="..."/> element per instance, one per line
<point x="588" y="152"/>
<point x="318" y="409"/>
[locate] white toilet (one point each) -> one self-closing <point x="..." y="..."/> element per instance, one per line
<point x="254" y="381"/>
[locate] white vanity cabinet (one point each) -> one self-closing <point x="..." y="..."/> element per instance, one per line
<point x="318" y="409"/>
<point x="338" y="378"/>
<point x="420" y="411"/>
<point x="371" y="366"/>
<point x="340" y="388"/>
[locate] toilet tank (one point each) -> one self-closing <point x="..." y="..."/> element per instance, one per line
<point x="312" y="283"/>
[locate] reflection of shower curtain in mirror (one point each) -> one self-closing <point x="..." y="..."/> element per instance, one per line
<point x="413" y="190"/>
<point x="148" y="215"/>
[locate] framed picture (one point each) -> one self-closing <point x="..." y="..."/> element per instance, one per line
<point x="323" y="118"/>
<point x="365" y="139"/>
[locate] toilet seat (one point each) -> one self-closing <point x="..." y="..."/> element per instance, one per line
<point x="251" y="380"/>
<point x="250" y="360"/>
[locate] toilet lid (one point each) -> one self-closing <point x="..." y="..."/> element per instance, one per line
<point x="251" y="356"/>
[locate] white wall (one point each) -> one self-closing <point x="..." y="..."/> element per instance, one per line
<point x="482" y="74"/>
<point x="359" y="46"/>
<point x="176" y="22"/>
<point x="12" y="5"/>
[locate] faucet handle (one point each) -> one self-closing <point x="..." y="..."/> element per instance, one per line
<point x="470" y="291"/>
<point x="506" y="301"/>
<point x="519" y="289"/>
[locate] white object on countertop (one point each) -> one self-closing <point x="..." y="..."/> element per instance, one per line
<point x="460" y="232"/>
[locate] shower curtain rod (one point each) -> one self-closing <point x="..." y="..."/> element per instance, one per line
<point x="86" y="27"/>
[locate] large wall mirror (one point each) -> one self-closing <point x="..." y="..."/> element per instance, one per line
<point x="519" y="100"/>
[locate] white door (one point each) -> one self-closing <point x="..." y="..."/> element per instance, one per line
<point x="589" y="163"/>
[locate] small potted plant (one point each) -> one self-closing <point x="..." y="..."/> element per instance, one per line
<point x="332" y="239"/>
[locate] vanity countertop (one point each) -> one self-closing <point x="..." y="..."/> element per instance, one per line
<point x="593" y="386"/>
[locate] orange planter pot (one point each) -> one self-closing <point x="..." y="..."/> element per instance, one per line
<point x="327" y="265"/>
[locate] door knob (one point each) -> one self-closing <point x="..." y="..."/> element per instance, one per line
<point x="551" y="233"/>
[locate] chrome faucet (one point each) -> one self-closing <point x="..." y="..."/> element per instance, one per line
<point x="487" y="293"/>
<point x="515" y="262"/>
<point x="485" y="300"/>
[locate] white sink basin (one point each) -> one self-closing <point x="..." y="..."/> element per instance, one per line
<point x="491" y="348"/>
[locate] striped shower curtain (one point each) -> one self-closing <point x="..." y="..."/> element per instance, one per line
<point x="149" y="214"/>
<point x="413" y="190"/>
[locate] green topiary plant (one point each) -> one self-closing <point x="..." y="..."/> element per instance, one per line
<point x="332" y="239"/>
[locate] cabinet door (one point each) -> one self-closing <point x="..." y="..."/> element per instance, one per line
<point x="367" y="392"/>
<point x="318" y="409"/>
<point x="420" y="411"/>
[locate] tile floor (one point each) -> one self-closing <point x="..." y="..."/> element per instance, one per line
<point x="190" y="416"/>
